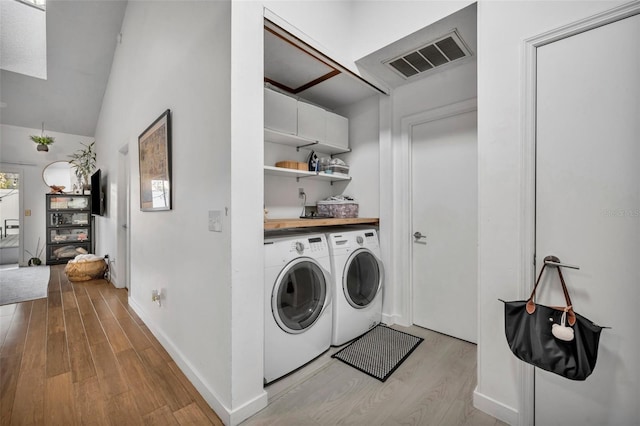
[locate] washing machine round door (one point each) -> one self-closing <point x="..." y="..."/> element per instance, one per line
<point x="300" y="295"/>
<point x="362" y="278"/>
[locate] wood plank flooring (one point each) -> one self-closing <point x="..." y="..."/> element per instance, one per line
<point x="82" y="356"/>
<point x="433" y="387"/>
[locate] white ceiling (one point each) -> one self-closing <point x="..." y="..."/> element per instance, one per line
<point x="297" y="68"/>
<point x="82" y="37"/>
<point x="464" y="22"/>
<point x="81" y="40"/>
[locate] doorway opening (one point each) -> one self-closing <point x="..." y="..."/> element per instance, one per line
<point x="10" y="224"/>
<point x="122" y="267"/>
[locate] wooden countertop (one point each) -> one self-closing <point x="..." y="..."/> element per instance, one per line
<point x="271" y="224"/>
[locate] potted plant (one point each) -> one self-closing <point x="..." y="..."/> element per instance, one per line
<point x="43" y="142"/>
<point x="84" y="161"/>
<point x="35" y="259"/>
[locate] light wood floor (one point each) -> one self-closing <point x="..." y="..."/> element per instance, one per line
<point x="434" y="386"/>
<point x="82" y="356"/>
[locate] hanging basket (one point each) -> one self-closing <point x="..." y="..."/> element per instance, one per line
<point x="43" y="148"/>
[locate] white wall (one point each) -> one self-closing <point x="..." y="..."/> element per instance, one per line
<point x="502" y="29"/>
<point x="326" y="25"/>
<point x="364" y="158"/>
<point x="18" y="153"/>
<point x="247" y="254"/>
<point x="175" y="55"/>
<point x="378" y="23"/>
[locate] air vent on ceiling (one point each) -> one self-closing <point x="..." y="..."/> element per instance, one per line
<point x="446" y="49"/>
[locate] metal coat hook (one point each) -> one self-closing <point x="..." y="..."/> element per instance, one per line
<point x="554" y="261"/>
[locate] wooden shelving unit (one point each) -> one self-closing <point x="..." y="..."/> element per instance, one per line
<point x="273" y="224"/>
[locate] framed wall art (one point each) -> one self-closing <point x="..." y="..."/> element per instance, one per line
<point x="154" y="150"/>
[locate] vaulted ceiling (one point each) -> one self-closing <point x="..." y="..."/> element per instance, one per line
<point x="81" y="40"/>
<point x="82" y="37"/>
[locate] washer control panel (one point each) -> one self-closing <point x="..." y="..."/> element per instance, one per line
<point x="313" y="244"/>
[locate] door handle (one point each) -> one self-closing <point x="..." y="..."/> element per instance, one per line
<point x="554" y="261"/>
<point x="418" y="235"/>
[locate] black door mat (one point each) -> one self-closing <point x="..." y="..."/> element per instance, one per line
<point x="379" y="351"/>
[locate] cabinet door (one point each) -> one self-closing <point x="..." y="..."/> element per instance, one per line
<point x="64" y="252"/>
<point x="280" y="112"/>
<point x="337" y="130"/>
<point x="311" y="122"/>
<point x="67" y="202"/>
<point x="66" y="235"/>
<point x="69" y="219"/>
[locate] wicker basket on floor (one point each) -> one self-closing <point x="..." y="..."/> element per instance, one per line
<point x="86" y="270"/>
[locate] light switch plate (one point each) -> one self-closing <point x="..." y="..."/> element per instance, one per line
<point x="215" y="220"/>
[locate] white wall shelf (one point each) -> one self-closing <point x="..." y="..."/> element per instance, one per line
<point x="300" y="142"/>
<point x="299" y="174"/>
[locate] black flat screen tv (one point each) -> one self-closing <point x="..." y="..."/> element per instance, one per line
<point x="97" y="194"/>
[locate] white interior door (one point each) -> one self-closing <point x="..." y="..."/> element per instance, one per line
<point x="122" y="266"/>
<point x="588" y="213"/>
<point x="445" y="213"/>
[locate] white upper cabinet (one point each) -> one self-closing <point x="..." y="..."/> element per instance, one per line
<point x="311" y="122"/>
<point x="297" y="123"/>
<point x="337" y="130"/>
<point x="320" y="125"/>
<point x="280" y="112"/>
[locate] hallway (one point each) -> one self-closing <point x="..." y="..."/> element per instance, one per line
<point x="82" y="356"/>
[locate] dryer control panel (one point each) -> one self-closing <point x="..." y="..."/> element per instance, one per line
<point x="348" y="241"/>
<point x="371" y="238"/>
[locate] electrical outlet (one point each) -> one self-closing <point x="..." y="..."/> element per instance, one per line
<point x="301" y="193"/>
<point x="215" y="220"/>
<point x="156" y="296"/>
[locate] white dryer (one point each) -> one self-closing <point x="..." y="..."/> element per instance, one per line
<point x="358" y="283"/>
<point x="298" y="302"/>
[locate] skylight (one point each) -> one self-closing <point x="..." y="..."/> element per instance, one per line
<point x="23" y="37"/>
<point x="41" y="4"/>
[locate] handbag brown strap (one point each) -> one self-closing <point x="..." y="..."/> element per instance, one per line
<point x="531" y="305"/>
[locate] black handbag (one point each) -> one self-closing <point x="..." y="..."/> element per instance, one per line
<point x="553" y="338"/>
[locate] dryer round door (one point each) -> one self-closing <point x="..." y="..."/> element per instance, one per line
<point x="362" y="278"/>
<point x="299" y="295"/>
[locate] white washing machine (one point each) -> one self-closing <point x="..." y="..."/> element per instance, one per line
<point x="298" y="302"/>
<point x="358" y="283"/>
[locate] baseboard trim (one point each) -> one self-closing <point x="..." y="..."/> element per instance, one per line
<point x="389" y="319"/>
<point x="494" y="408"/>
<point x="114" y="282"/>
<point x="192" y="374"/>
<point x="249" y="409"/>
